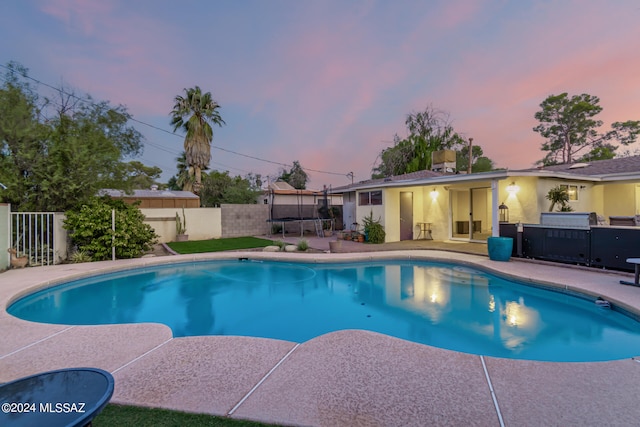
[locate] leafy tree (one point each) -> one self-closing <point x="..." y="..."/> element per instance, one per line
<point x="220" y="187"/>
<point x="480" y="163"/>
<point x="569" y="126"/>
<point x="296" y="176"/>
<point x="140" y="176"/>
<point x="21" y="137"/>
<point x="195" y="113"/>
<point x="255" y="181"/>
<point x="52" y="160"/>
<point x="428" y="131"/>
<point x="394" y="160"/>
<point x="90" y="229"/>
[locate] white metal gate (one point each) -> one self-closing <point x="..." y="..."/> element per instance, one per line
<point x="33" y="234"/>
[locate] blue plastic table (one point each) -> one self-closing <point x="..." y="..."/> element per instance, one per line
<point x="66" y="397"/>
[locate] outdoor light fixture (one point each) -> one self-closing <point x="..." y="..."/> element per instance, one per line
<point x="512" y="189"/>
<point x="434" y="194"/>
<point x="504" y="212"/>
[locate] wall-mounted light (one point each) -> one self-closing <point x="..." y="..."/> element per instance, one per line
<point x="512" y="189"/>
<point x="503" y="211"/>
<point x="434" y="194"/>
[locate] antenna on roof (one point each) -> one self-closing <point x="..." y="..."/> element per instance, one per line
<point x="350" y="175"/>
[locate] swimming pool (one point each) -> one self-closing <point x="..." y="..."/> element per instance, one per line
<point x="439" y="304"/>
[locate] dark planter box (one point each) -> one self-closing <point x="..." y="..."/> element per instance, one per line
<point x="611" y="246"/>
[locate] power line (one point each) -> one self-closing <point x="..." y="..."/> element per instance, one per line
<point x="169" y="132"/>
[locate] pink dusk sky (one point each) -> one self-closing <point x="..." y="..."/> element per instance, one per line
<point x="329" y="83"/>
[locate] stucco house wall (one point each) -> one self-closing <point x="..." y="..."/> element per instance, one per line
<point x="525" y="205"/>
<point x="436" y="211"/>
<point x="619" y="199"/>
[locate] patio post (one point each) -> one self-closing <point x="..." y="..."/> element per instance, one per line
<point x="495" y="200"/>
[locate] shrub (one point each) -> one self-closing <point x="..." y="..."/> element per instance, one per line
<point x="303" y="245"/>
<point x="373" y="229"/>
<point x="80" y="256"/>
<point x="90" y="229"/>
<point x="559" y="195"/>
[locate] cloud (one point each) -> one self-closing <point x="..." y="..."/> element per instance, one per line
<point x="330" y="83"/>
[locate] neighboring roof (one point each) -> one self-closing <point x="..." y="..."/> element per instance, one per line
<point x="282" y="187"/>
<point x="620" y="165"/>
<point x="149" y="194"/>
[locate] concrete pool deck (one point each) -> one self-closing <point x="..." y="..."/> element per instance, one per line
<point x="345" y="378"/>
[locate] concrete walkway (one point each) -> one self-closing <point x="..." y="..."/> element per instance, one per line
<point x="345" y="378"/>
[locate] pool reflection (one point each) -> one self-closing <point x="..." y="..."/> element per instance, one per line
<point x="449" y="306"/>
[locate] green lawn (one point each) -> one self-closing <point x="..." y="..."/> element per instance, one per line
<point x="217" y="245"/>
<point x="120" y="415"/>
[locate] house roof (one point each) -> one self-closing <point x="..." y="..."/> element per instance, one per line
<point x="619" y="169"/>
<point x="412" y="176"/>
<point x="148" y="194"/>
<point x="620" y="165"/>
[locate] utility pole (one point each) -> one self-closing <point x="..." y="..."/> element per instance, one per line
<point x="470" y="155"/>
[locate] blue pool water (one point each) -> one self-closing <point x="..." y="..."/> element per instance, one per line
<point x="444" y="305"/>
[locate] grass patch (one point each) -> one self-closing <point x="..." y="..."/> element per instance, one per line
<point x="217" y="245"/>
<point x="124" y="415"/>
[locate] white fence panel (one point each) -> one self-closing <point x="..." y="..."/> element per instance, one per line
<point x="39" y="235"/>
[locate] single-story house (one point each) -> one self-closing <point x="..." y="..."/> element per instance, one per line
<point x="451" y="206"/>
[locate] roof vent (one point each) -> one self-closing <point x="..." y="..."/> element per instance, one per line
<point x="578" y="165"/>
<point x="154" y="187"/>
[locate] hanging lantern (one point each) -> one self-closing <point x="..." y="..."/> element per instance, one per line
<point x="504" y="212"/>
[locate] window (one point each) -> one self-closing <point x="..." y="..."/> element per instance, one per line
<point x="366" y="198"/>
<point x="572" y="191"/>
<point x="363" y="198"/>
<point x="376" y="197"/>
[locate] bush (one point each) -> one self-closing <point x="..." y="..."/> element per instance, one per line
<point x="303" y="245"/>
<point x="90" y="229"/>
<point x="80" y="256"/>
<point x="373" y="229"/>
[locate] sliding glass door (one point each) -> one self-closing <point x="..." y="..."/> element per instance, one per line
<point x="470" y="213"/>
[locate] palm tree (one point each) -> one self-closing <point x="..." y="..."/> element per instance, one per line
<point x="195" y="113"/>
<point x="183" y="179"/>
<point x="559" y="195"/>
